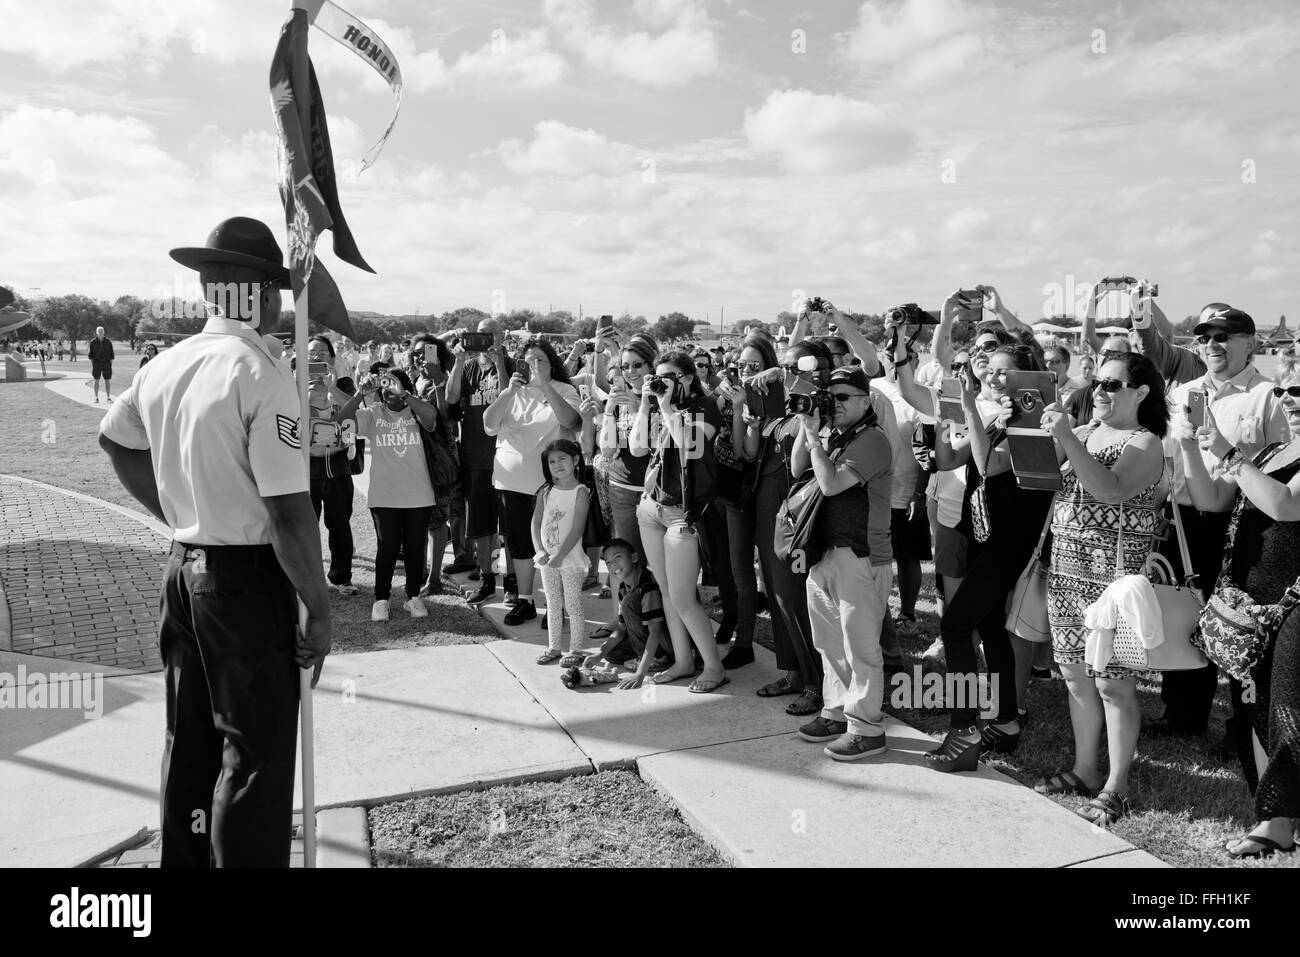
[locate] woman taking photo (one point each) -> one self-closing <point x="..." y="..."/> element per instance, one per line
<point x="679" y="484"/>
<point x="768" y="443"/>
<point x="1263" y="561"/>
<point x="1113" y="468"/>
<point x="401" y="493"/>
<point x="537" y="407"/>
<point x="1015" y="518"/>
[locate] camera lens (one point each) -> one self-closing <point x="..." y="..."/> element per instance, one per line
<point x="799" y="404"/>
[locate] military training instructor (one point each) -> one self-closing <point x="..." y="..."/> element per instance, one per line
<point x="207" y="438"/>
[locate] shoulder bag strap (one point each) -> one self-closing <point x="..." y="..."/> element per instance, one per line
<point x="1189" y="573"/>
<point x="1047" y="526"/>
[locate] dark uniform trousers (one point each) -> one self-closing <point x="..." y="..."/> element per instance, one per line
<point x="226" y="635"/>
<point x="1188" y="695"/>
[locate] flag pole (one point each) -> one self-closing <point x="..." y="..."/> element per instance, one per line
<point x="300" y="305"/>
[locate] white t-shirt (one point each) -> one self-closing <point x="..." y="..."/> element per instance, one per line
<point x="530" y="424"/>
<point x="906" y="468"/>
<point x="399" y="472"/>
<point x="951" y="486"/>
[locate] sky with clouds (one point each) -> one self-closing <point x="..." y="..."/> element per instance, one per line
<point x="661" y="155"/>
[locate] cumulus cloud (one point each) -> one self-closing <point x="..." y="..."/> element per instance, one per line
<point x="923" y="39"/>
<point x="563" y="150"/>
<point x="684" y="51"/>
<point x="826" y="133"/>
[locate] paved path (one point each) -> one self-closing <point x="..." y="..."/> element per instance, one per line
<point x="80" y="577"/>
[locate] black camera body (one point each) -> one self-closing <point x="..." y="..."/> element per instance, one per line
<point x="657" y="385"/>
<point x="589" y="345"/>
<point x="815" y="304"/>
<point x="802" y="404"/>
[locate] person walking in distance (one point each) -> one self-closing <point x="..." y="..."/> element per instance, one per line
<point x="101" y="363"/>
<point x="207" y="438"/>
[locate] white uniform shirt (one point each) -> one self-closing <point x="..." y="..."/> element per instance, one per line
<point x="220" y="416"/>
<point x="906" y="467"/>
<point x="1245" y="411"/>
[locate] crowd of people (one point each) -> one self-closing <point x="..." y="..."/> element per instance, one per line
<point x="805" y="476"/>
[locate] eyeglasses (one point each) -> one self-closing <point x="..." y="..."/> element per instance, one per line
<point x="629" y="366"/>
<point x="1112" y="385"/>
<point x="1292" y="390"/>
<point x="1219" y="337"/>
<point x="987" y="346"/>
<point x="842" y="397"/>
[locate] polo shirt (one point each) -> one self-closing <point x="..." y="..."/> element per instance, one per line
<point x="1245" y="411"/>
<point x="638" y="606"/>
<point x="220" y="417"/>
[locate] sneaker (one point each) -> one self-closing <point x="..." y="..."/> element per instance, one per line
<point x="460" y="565"/>
<point x="511" y="586"/>
<point x="379" y="610"/>
<point x="347" y="589"/>
<point x="855" y="747"/>
<point x="487" y="588"/>
<point x="415" y="606"/>
<point x="820" y="730"/>
<point x="524" y="611"/>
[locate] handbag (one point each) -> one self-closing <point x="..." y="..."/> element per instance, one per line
<point x="444" y="470"/>
<point x="1027" y="607"/>
<point x="1235" y="631"/>
<point x="596" y="532"/>
<point x="1180" y="610"/>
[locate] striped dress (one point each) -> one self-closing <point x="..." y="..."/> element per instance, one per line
<point x="1085" y="534"/>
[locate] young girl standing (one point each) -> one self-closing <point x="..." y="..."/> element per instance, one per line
<point x="559" y="518"/>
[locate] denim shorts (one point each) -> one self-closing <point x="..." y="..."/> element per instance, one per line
<point x="670" y="517"/>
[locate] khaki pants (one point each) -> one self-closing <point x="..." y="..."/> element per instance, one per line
<point x="848" y="598"/>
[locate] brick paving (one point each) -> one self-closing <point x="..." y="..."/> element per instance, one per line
<point x="81" y="581"/>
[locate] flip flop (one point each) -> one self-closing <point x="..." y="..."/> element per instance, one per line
<point x="600" y="634"/>
<point x="546" y="657"/>
<point x="572" y="660"/>
<point x="660" y="680"/>
<point x="698" y="686"/>
<point x="777" y="688"/>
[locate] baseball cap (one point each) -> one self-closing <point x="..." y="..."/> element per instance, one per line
<point x="852" y="376"/>
<point x="1231" y="321"/>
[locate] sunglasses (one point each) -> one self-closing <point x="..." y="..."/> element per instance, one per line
<point x="988" y="346"/>
<point x="702" y="365"/>
<point x="671" y="376"/>
<point x="1112" y="354"/>
<point x="1112" y="385"/>
<point x="1219" y="337"/>
<point x="752" y="366"/>
<point x="629" y="366"/>
<point x="1292" y="390"/>
<point x="957" y="367"/>
<point x="843" y="397"/>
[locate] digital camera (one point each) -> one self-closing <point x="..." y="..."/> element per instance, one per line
<point x="657" y="385"/>
<point x="814" y="305"/>
<point x="821" y="401"/>
<point x="388" y="383"/>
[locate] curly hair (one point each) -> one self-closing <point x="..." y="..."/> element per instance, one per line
<point x="558" y="372"/>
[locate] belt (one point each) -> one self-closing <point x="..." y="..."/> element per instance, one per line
<point x="255" y="555"/>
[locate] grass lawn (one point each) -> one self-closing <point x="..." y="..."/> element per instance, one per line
<point x="609" y="819"/>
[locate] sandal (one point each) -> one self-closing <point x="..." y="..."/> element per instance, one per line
<point x="572" y="660"/>
<point x="781" y="686"/>
<point x="1064" y="782"/>
<point x="1105" y="809"/>
<point x="705" y="685"/>
<point x="547" y="656"/>
<point x="663" y="678"/>
<point x="808" y="702"/>
<point x="1267" y="848"/>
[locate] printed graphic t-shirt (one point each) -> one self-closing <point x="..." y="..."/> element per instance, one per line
<point x="399" y="474"/>
<point x="479" y="388"/>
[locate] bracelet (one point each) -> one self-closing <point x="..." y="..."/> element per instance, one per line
<point x="1231" y="463"/>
